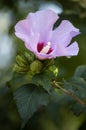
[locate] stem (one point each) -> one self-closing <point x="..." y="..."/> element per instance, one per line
<point x="69" y="93"/>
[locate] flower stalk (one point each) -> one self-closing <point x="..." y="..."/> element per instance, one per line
<point x="69" y="93"/>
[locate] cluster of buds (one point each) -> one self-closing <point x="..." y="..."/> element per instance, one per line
<point x="23" y="62"/>
<point x="27" y="63"/>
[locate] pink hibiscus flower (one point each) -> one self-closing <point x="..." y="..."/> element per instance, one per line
<point x="39" y="37"/>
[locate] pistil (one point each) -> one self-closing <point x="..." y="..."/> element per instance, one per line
<point x="46" y="48"/>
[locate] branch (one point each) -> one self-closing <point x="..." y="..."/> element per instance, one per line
<point x="69" y="93"/>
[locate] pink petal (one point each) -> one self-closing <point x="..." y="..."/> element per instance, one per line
<point x="32" y="42"/>
<point x="23" y="30"/>
<point x="44" y="56"/>
<point x="71" y="50"/>
<point x="64" y="33"/>
<point x="42" y="23"/>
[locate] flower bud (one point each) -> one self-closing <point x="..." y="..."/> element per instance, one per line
<point x="54" y="69"/>
<point x="21" y="61"/>
<point x="36" y="66"/>
<point x="29" y="57"/>
<point x="19" y="69"/>
<point x="21" y="65"/>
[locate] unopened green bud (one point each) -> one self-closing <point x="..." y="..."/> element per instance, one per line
<point x="29" y="57"/>
<point x="21" y="65"/>
<point x="36" y="67"/>
<point x="21" y="61"/>
<point x="54" y="69"/>
<point x="19" y="69"/>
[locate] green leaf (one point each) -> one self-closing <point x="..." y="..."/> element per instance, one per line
<point x="29" y="99"/>
<point x="78" y="109"/>
<point x="18" y="80"/>
<point x="76" y="85"/>
<point x="43" y="80"/>
<point x="81" y="72"/>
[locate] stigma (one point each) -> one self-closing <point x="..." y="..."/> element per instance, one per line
<point x="44" y="49"/>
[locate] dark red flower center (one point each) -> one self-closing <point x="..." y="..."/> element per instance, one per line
<point x="40" y="46"/>
<point x="44" y="49"/>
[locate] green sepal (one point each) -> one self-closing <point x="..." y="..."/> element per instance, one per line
<point x="21" y="61"/>
<point x="29" y="56"/>
<point x="36" y="67"/>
